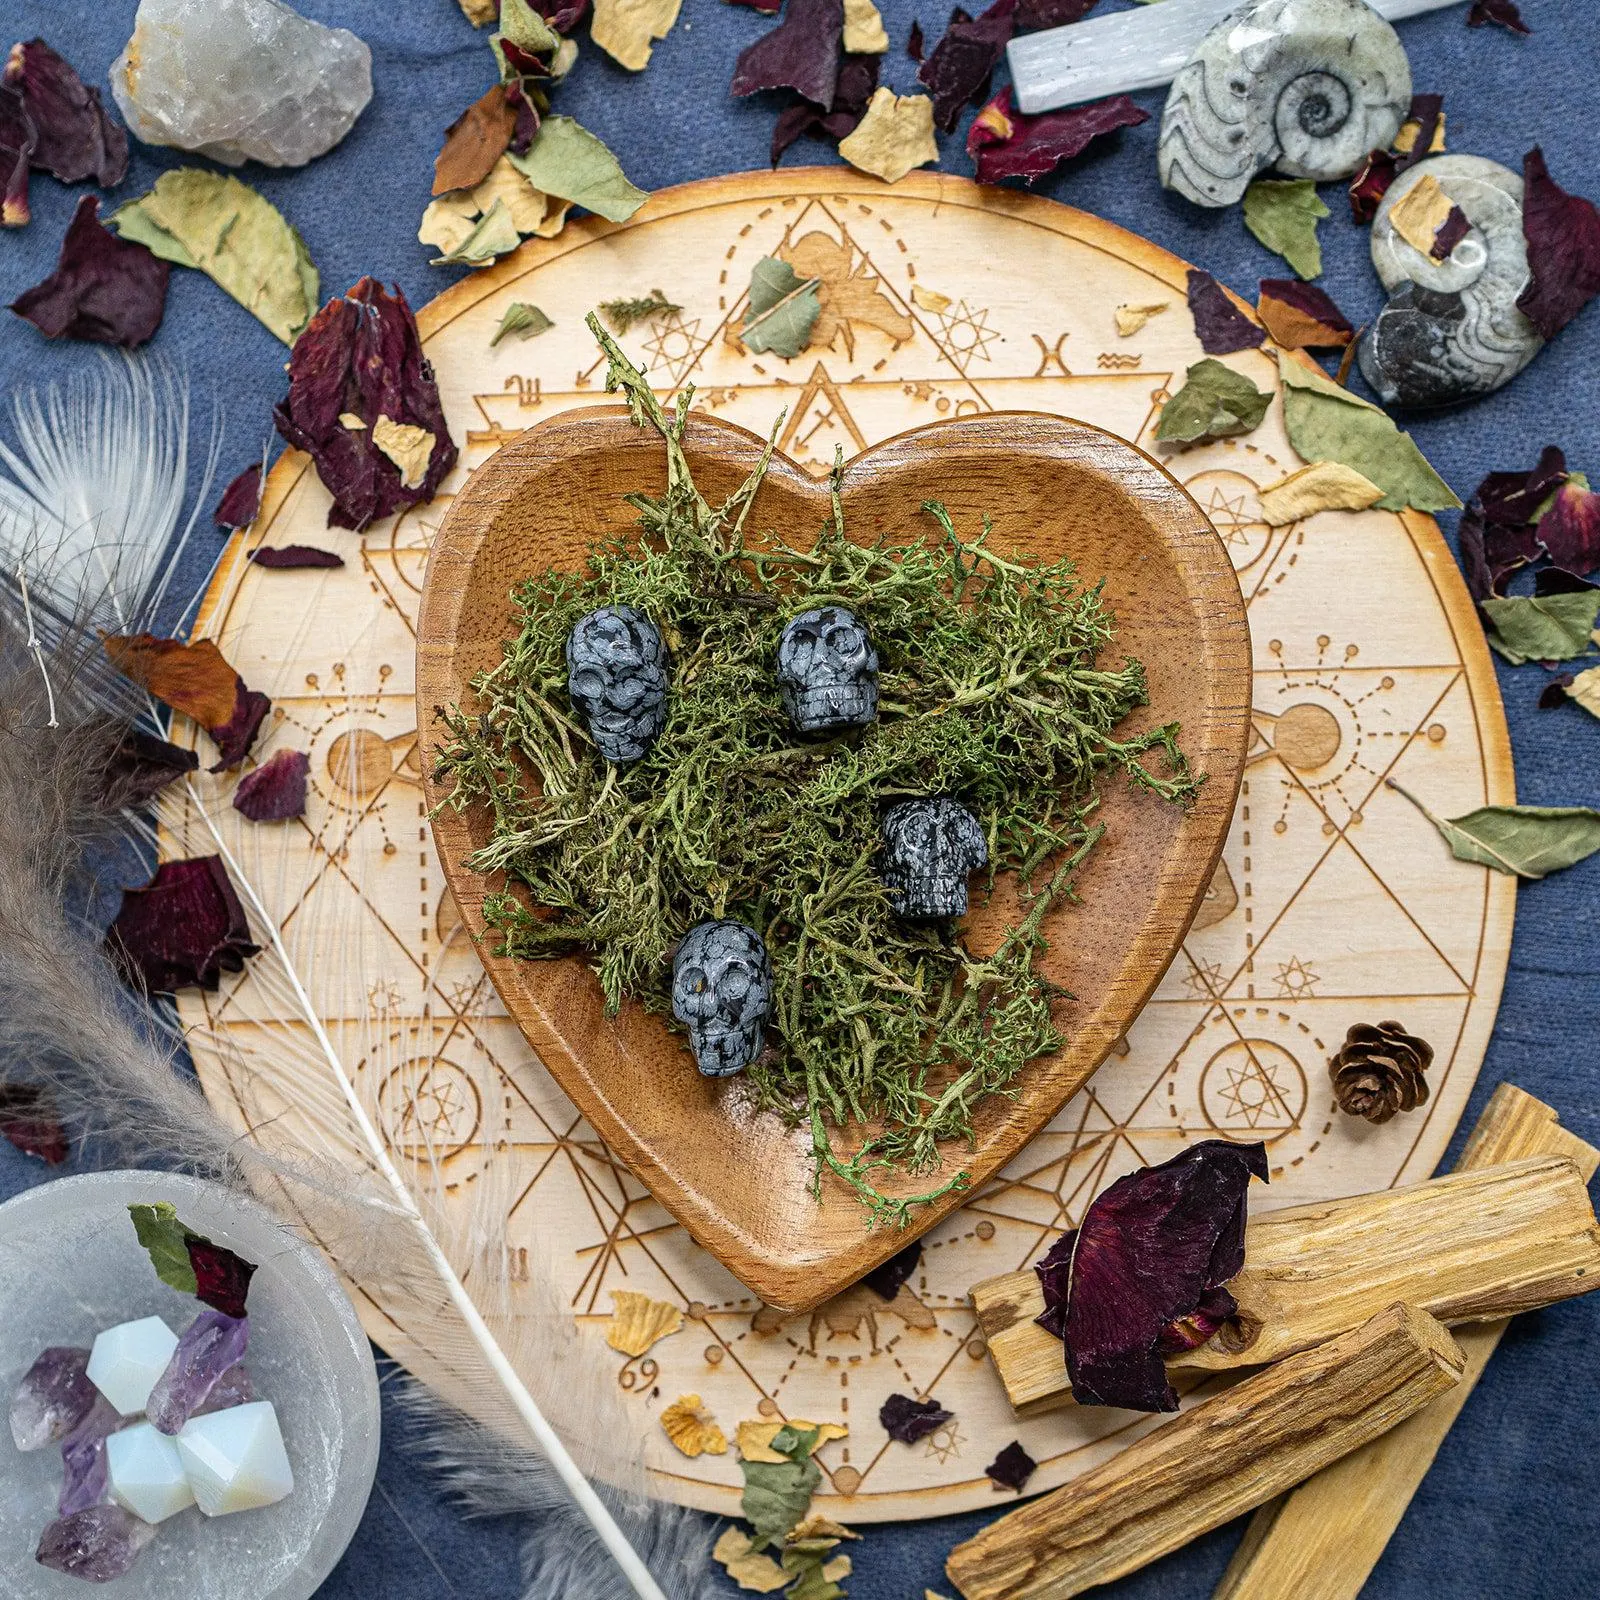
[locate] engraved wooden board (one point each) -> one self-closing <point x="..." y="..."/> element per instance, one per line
<point x="1335" y="901"/>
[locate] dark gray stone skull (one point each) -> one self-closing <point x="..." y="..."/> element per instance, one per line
<point x="722" y="990"/>
<point x="827" y="671"/>
<point x="617" y="677"/>
<point x="929" y="847"/>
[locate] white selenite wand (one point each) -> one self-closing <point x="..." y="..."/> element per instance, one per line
<point x="1130" y="50"/>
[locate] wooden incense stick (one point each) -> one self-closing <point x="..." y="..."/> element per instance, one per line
<point x="1227" y="1455"/>
<point x="1322" y="1541"/>
<point x="1471" y="1247"/>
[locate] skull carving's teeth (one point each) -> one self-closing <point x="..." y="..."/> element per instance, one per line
<point x="827" y="672"/>
<point x="929" y="847"/>
<point x="722" y="992"/>
<point x="617" y="677"/>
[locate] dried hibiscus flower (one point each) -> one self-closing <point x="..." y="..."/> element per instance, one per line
<point x="959" y="67"/>
<point x="1144" y="1274"/>
<point x="1012" y="1468"/>
<point x="1007" y="144"/>
<point x="104" y="289"/>
<point x="1219" y="324"/>
<point x="276" y="790"/>
<point x="801" y="53"/>
<point x="289" y="557"/>
<point x="906" y="1420"/>
<point x="364" y="405"/>
<point x="1563" y="235"/>
<point x="185" y="927"/>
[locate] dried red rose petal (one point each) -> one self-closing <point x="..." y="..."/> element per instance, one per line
<point x="361" y="355"/>
<point x="76" y="138"/>
<point x="888" y="1278"/>
<point x="914" y="42"/>
<point x="1151" y="1253"/>
<point x="104" y="289"/>
<point x="1427" y="111"/>
<point x="1557" y="580"/>
<point x="858" y="77"/>
<point x="1563" y="235"/>
<point x="235" y="736"/>
<point x="906" y="1420"/>
<point x="801" y="53"/>
<point x="527" y="123"/>
<point x="767" y="8"/>
<point x="28" y="1120"/>
<point x="1501" y="12"/>
<point x="240" y="501"/>
<point x="222" y="1279"/>
<point x="1451" y="232"/>
<point x="562" y="15"/>
<point x="276" y="790"/>
<point x="958" y="69"/>
<point x="1219" y="324"/>
<point x="18" y="140"/>
<point x="1513" y="498"/>
<point x="1052" y="13"/>
<point x="1007" y="144"/>
<point x="1012" y="1468"/>
<point x="1570" y="529"/>
<point x="142" y="766"/>
<point x="192" y="678"/>
<point x="1301" y="316"/>
<point x="1371" y="184"/>
<point x="288" y="557"/>
<point x="1554" y="693"/>
<point x="185" y="927"/>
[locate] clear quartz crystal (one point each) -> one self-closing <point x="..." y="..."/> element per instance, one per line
<point x="240" y="80"/>
<point x="55" y="1395"/>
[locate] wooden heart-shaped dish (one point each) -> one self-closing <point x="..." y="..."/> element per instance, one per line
<point x="737" y="1178"/>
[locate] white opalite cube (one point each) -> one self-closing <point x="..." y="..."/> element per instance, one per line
<point x="146" y="1473"/>
<point x="235" y="1458"/>
<point x="126" y="1361"/>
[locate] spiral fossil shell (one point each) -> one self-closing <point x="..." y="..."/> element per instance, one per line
<point x="1306" y="86"/>
<point x="1451" y="329"/>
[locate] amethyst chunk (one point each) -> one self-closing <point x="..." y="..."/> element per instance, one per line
<point x="97" y="1545"/>
<point x="210" y="1346"/>
<point x="85" y="1478"/>
<point x="55" y="1395"/>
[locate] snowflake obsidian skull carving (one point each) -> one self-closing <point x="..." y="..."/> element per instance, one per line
<point x="827" y="671"/>
<point x="929" y="847"/>
<point x="617" y="677"/>
<point x="722" y="989"/>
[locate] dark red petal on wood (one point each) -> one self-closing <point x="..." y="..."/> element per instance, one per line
<point x="887" y="1279"/>
<point x="185" y="927"/>
<point x="104" y="289"/>
<point x="222" y="1279"/>
<point x="801" y="53"/>
<point x="906" y="1420"/>
<point x="1219" y="324"/>
<point x="1563" y="235"/>
<point x="287" y="557"/>
<point x="1007" y="144"/>
<point x="77" y="139"/>
<point x="240" y="501"/>
<point x="1300" y="316"/>
<point x="1501" y="12"/>
<point x="1012" y="1468"/>
<point x="958" y="69"/>
<point x="276" y="790"/>
<point x="1371" y="184"/>
<point x="235" y="736"/>
<point x="1054" y="1271"/>
<point x="28" y="1120"/>
<point x="1150" y="1250"/>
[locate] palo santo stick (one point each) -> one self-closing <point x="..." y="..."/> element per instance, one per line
<point x="1227" y="1455"/>
<point x="1471" y="1247"/>
<point x="1322" y="1541"/>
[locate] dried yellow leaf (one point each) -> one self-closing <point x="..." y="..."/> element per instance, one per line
<point x="837" y="1570"/>
<point x="692" y="1428"/>
<point x="1326" y="486"/>
<point x="637" y="1321"/>
<point x="864" y="32"/>
<point x="448" y="221"/>
<point x="479" y="12"/>
<point x="928" y="1594"/>
<point x="894" y="136"/>
<point x="1585" y="689"/>
<point x="625" y="29"/>
<point x="755" y="1438"/>
<point x="751" y="1569"/>
<point x="930" y="299"/>
<point x="817" y="1526"/>
<point x="1420" y="212"/>
<point x="526" y="204"/>
<point x="1130" y="319"/>
<point x="405" y="444"/>
<point x="555" y="218"/>
<point x="348" y="419"/>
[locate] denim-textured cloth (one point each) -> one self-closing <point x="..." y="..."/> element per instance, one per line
<point x="1512" y="1508"/>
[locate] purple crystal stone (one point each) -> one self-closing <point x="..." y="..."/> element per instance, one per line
<point x="233" y="1388"/>
<point x="85" y="1481"/>
<point x="210" y="1345"/>
<point x="98" y="1544"/>
<point x="55" y="1395"/>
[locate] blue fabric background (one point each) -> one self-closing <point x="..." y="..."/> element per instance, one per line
<point x="1512" y="1508"/>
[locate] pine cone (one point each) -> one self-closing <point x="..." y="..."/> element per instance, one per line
<point x="1379" y="1071"/>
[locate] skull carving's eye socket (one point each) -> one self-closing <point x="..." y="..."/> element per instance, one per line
<point x="588" y="681"/>
<point x="736" y="981"/>
<point x="840" y="638"/>
<point x="693" y="980"/>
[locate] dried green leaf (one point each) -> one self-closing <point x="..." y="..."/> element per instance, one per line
<point x="1530" y="841"/>
<point x="167" y="1241"/>
<point x="1551" y="627"/>
<point x="493" y="235"/>
<point x="521" y="321"/>
<point x="223" y="228"/>
<point x="783" y="309"/>
<point x="1327" y="423"/>
<point x="1215" y="403"/>
<point x="777" y="1496"/>
<point x="623" y="314"/>
<point x="566" y="160"/>
<point x="1283" y="214"/>
<point x="523" y="26"/>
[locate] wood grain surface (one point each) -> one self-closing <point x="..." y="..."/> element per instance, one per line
<point x="738" y="1179"/>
